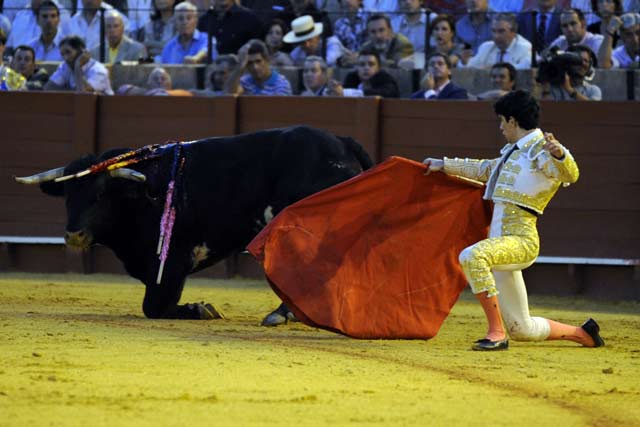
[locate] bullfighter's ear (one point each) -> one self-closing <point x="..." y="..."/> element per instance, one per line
<point x="52" y="188"/>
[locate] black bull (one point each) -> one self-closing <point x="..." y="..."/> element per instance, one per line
<point x="226" y="187"/>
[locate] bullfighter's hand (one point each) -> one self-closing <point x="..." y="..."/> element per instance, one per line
<point x="433" y="165"/>
<point x="552" y="145"/>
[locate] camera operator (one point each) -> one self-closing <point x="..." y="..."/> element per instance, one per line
<point x="562" y="76"/>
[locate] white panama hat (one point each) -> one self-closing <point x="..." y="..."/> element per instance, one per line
<point x="302" y="28"/>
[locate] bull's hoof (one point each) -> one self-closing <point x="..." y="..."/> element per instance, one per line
<point x="279" y="316"/>
<point x="209" y="312"/>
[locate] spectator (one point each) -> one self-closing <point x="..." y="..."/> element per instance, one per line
<point x="158" y="84"/>
<point x="119" y="47"/>
<point x="351" y="29"/>
<point x="547" y="24"/>
<point x="627" y="55"/>
<point x="391" y="47"/>
<point x="261" y="79"/>
<point x="574" y="86"/>
<point x="506" y="45"/>
<point x="306" y="34"/>
<point x="412" y="23"/>
<point x="24" y="62"/>
<point x="139" y="14"/>
<point x="506" y="6"/>
<point x="443" y="33"/>
<point x="9" y="79"/>
<point x="437" y="83"/>
<point x="47" y="45"/>
<point x="222" y="68"/>
<point x="267" y="10"/>
<point x="503" y="80"/>
<point x="605" y="9"/>
<point x="273" y="40"/>
<point x="368" y="79"/>
<point x="455" y="8"/>
<point x="25" y="26"/>
<point x="79" y="71"/>
<point x="298" y="8"/>
<point x="86" y="22"/>
<point x="474" y="28"/>
<point x="160" y="29"/>
<point x="232" y="25"/>
<point x="315" y="76"/>
<point x="574" y="30"/>
<point x="189" y="46"/>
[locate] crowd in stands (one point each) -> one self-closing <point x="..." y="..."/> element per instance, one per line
<point x="248" y="43"/>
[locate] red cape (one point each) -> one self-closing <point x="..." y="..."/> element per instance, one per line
<point x="375" y="256"/>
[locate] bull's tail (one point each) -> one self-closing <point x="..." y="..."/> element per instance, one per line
<point x="358" y="151"/>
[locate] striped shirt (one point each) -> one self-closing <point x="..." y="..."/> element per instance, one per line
<point x="276" y="84"/>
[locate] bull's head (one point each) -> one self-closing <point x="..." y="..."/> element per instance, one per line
<point x="93" y="201"/>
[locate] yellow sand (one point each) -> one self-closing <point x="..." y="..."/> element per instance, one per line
<point x="77" y="351"/>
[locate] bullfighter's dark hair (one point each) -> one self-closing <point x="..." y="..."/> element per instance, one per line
<point x="74" y="42"/>
<point x="520" y="105"/>
<point x="378" y="16"/>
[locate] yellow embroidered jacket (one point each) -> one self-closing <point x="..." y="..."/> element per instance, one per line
<point x="527" y="176"/>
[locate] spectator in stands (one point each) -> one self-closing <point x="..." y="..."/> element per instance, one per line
<point x="158" y="84"/>
<point x="261" y="79"/>
<point x="161" y="27"/>
<point x="627" y="55"/>
<point x="231" y="24"/>
<point x="506" y="45"/>
<point x="189" y="46"/>
<point x="276" y="31"/>
<point x="222" y="68"/>
<point x="306" y="34"/>
<point x="25" y="25"/>
<point x="24" y="62"/>
<point x="9" y="79"/>
<point x="298" y="8"/>
<point x="315" y="76"/>
<point x="547" y="24"/>
<point x="503" y="80"/>
<point x="574" y="86"/>
<point x="79" y="71"/>
<point x="443" y="33"/>
<point x="47" y="45"/>
<point x="86" y="22"/>
<point x="474" y="28"/>
<point x="368" y="79"/>
<point x="391" y="47"/>
<point x="119" y="47"/>
<point x="605" y="9"/>
<point x="455" y="8"/>
<point x="351" y="30"/>
<point x="139" y="14"/>
<point x="436" y="83"/>
<point x="267" y="10"/>
<point x="574" y="32"/>
<point x="506" y="6"/>
<point x="412" y="23"/>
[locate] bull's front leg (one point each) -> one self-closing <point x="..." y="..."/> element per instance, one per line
<point x="161" y="302"/>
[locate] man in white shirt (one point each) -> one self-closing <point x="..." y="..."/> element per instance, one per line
<point x="86" y="22"/>
<point x="47" y="44"/>
<point x="412" y="23"/>
<point x="79" y="72"/>
<point x="627" y="55"/>
<point x="506" y="46"/>
<point x="25" y="26"/>
<point x="574" y="32"/>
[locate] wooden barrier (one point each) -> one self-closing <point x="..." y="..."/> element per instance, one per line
<point x="595" y="218"/>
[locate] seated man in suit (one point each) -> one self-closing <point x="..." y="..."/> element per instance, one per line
<point x="119" y="47"/>
<point x="437" y="82"/>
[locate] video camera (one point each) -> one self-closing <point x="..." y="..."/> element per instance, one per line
<point x="555" y="64"/>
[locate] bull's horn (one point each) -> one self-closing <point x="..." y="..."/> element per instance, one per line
<point x="49" y="175"/>
<point x="128" y="174"/>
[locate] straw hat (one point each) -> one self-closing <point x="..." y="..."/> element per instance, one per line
<point x="302" y="28"/>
